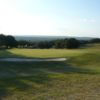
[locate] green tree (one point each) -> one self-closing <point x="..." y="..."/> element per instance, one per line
<point x="2" y="40"/>
<point x="72" y="43"/>
<point x="59" y="44"/>
<point x="10" y="41"/>
<point x="95" y="40"/>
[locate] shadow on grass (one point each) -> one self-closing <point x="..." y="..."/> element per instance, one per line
<point x="22" y="76"/>
<point x="17" y="78"/>
<point x="4" y="53"/>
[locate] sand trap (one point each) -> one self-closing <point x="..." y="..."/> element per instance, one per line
<point x="31" y="60"/>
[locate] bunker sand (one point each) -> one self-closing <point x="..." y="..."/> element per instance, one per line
<point x="31" y="60"/>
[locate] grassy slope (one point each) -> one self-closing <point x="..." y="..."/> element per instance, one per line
<point x="76" y="79"/>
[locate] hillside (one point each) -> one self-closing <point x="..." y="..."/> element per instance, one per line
<point x="47" y="38"/>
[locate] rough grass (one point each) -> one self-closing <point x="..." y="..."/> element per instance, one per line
<point x="76" y="79"/>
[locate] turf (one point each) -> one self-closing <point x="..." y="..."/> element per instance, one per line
<point x="75" y="79"/>
<point x="40" y="53"/>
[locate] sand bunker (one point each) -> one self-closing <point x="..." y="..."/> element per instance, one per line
<point x="31" y="60"/>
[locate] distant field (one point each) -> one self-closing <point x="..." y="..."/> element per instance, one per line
<point x="75" y="79"/>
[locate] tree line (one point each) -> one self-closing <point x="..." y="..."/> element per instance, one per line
<point x="70" y="43"/>
<point x="61" y="43"/>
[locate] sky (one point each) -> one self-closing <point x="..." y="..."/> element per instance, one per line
<point x="50" y="17"/>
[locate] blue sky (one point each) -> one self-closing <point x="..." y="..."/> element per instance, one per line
<point x="50" y="17"/>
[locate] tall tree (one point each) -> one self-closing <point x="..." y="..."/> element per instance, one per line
<point x="10" y="41"/>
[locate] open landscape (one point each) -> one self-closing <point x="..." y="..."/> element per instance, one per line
<point x="49" y="49"/>
<point x="77" y="78"/>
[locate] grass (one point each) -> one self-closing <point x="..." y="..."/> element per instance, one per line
<point x="40" y="53"/>
<point x="75" y="79"/>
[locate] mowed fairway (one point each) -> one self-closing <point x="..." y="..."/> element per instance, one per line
<point x="40" y="53"/>
<point x="78" y="78"/>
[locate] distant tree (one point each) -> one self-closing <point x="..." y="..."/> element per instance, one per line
<point x="72" y="43"/>
<point x="34" y="45"/>
<point x="2" y="40"/>
<point x="84" y="42"/>
<point x="59" y="44"/>
<point x="40" y="45"/>
<point x="95" y="40"/>
<point x="65" y="43"/>
<point x="44" y="44"/>
<point x="10" y="41"/>
<point x="23" y="44"/>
